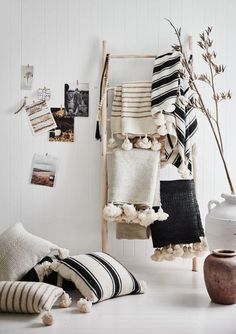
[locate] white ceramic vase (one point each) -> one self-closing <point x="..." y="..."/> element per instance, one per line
<point x="221" y="223"/>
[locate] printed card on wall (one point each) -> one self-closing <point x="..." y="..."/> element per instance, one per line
<point x="77" y="100"/>
<point x="40" y="117"/>
<point x="27" y="74"/>
<point x="65" y="127"/>
<point x="44" y="170"/>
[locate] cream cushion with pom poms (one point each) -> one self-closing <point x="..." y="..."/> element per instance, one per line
<point x="98" y="276"/>
<point x="31" y="297"/>
<point x="21" y="250"/>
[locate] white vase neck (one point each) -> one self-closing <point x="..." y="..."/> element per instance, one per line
<point x="229" y="198"/>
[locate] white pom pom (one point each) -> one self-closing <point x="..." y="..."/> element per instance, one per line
<point x="157" y="256"/>
<point x="47" y="319"/>
<point x="156" y="146"/>
<point x="143" y="286"/>
<point x="145" y="143"/>
<point x="178" y="250"/>
<point x="160" y="120"/>
<point x="187" y="252"/>
<point x="137" y="143"/>
<point x="161" y="215"/>
<point x="162" y="130"/>
<point x="54" y="265"/>
<point x="43" y="269"/>
<point x="170" y="108"/>
<point x="112" y="142"/>
<point x="127" y="145"/>
<point x="184" y="171"/>
<point x="63" y="253"/>
<point x="111" y="211"/>
<point x="65" y="300"/>
<point x="130" y="211"/>
<point x="142" y="218"/>
<point x="84" y="305"/>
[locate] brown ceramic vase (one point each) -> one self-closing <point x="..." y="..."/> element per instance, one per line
<point x="220" y="276"/>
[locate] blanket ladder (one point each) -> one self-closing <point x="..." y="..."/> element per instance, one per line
<point x="104" y="121"/>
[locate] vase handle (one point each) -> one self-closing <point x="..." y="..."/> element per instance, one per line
<point x="211" y="204"/>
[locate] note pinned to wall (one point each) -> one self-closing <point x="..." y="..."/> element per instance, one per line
<point x="40" y="117"/>
<point x="44" y="170"/>
<point x="27" y="74"/>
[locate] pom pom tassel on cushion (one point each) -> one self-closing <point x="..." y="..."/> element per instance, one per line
<point x="65" y="300"/>
<point x="143" y="286"/>
<point x="63" y="253"/>
<point x="47" y="319"/>
<point x="84" y="305"/>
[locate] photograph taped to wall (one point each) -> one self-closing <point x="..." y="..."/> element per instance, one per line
<point x="64" y="132"/>
<point x="27" y="73"/>
<point x="44" y="170"/>
<point x="40" y="117"/>
<point x="77" y="100"/>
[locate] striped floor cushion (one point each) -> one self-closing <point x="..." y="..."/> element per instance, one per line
<point x="98" y="276"/>
<point x="27" y="297"/>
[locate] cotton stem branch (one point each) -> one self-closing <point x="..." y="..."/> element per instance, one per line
<point x="204" y="109"/>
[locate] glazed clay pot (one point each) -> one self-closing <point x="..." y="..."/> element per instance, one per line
<point x="220" y="276"/>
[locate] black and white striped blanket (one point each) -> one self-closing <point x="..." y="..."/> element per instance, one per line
<point x="171" y="96"/>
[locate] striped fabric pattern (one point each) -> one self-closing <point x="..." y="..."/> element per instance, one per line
<point x="131" y="109"/>
<point x="27" y="297"/>
<point x="171" y="95"/>
<point x="98" y="276"/>
<point x="116" y="111"/>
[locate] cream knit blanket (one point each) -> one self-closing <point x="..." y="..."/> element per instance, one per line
<point x="133" y="177"/>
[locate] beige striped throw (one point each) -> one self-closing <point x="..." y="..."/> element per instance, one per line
<point x="27" y="297"/>
<point x="131" y="109"/>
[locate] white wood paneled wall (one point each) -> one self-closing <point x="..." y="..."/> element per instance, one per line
<point x="62" y="39"/>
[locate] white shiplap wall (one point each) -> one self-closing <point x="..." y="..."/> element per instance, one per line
<point x="62" y="39"/>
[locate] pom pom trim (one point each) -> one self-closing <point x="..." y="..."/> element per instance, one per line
<point x="47" y="319"/>
<point x="171" y="252"/>
<point x="84" y="305"/>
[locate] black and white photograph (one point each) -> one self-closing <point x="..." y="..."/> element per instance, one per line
<point x="77" y="100"/>
<point x="64" y="132"/>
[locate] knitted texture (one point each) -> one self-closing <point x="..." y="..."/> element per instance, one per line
<point x="184" y="223"/>
<point x="20" y="251"/>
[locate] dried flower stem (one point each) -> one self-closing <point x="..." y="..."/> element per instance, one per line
<point x="204" y="44"/>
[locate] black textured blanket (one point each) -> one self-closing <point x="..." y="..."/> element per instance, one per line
<point x="184" y="224"/>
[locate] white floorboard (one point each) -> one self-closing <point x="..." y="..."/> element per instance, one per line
<point x="176" y="302"/>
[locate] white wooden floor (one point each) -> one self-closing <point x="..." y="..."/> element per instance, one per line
<point x="176" y="302"/>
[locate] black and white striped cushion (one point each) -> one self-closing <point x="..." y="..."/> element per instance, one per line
<point x="98" y="276"/>
<point x="27" y="297"/>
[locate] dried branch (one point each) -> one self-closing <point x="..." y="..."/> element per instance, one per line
<point x="198" y="102"/>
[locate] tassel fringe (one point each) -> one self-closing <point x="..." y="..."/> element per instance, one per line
<point x="47" y="319"/>
<point x="143" y="286"/>
<point x="171" y="252"/>
<point x="97" y="133"/>
<point x="63" y="253"/>
<point x="84" y="305"/>
<point x="128" y="214"/>
<point x="65" y="301"/>
<point x="43" y="269"/>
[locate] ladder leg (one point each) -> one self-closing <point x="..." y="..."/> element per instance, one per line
<point x="194" y="264"/>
